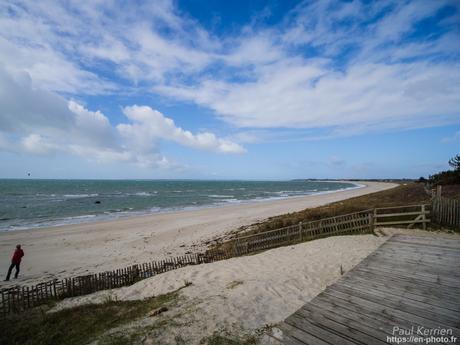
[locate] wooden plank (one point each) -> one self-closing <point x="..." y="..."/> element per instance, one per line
<point x="402" y="302"/>
<point x="403" y="222"/>
<point x="434" y="291"/>
<point x="312" y="327"/>
<point x="385" y="286"/>
<point x="376" y="327"/>
<point x="426" y="240"/>
<point x="421" y="279"/>
<point x="427" y="270"/>
<point x="406" y="282"/>
<point x="293" y="335"/>
<point x="340" y="326"/>
<point x="416" y="213"/>
<point x="369" y="307"/>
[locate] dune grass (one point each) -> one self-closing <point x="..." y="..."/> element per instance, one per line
<point x="79" y="325"/>
<point x="406" y="194"/>
<point x="410" y="193"/>
<point x="451" y="191"/>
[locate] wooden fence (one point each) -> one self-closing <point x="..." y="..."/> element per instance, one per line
<point x="354" y="223"/>
<point x="402" y="215"/>
<point x="21" y="298"/>
<point x="446" y="211"/>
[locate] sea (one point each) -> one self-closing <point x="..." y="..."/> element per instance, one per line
<point x="33" y="203"/>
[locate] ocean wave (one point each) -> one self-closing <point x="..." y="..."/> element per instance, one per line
<point x="232" y="200"/>
<point x="145" y="193"/>
<point x="81" y="217"/>
<point x="219" y="196"/>
<point x="76" y="196"/>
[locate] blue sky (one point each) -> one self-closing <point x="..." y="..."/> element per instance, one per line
<point x="228" y="89"/>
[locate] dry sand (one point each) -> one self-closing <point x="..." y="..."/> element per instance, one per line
<point x="92" y="247"/>
<point x="241" y="295"/>
<point x="248" y="295"/>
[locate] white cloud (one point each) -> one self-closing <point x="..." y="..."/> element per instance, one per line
<point x="150" y="125"/>
<point x="35" y="143"/>
<point x="41" y="122"/>
<point x="314" y="97"/>
<point x="24" y="107"/>
<point x="384" y="83"/>
<point x="348" y="67"/>
<point x="95" y="126"/>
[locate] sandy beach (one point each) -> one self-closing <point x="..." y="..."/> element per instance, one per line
<point x="92" y="247"/>
<point x="247" y="295"/>
<point x="241" y="296"/>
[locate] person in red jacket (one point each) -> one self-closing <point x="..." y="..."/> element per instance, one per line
<point x="15" y="262"/>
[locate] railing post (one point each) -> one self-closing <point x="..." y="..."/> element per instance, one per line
<point x="300" y="231"/>
<point x="372" y="216"/>
<point x="235" y="248"/>
<point x="423" y="218"/>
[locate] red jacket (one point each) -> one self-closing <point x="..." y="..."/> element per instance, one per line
<point x="17" y="256"/>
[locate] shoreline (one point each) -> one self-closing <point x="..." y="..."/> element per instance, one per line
<point x="97" y="218"/>
<point x="79" y="249"/>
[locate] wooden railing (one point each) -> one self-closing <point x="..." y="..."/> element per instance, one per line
<point x="354" y="223"/>
<point x="402" y="215"/>
<point x="446" y="211"/>
<point x="21" y="298"/>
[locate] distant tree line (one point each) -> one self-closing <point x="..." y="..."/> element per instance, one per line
<point x="447" y="177"/>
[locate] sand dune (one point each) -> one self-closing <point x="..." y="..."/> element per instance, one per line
<point x="244" y="294"/>
<point x="93" y="247"/>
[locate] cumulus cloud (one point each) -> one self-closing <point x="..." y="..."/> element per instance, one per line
<point x="35" y="143"/>
<point x="149" y="125"/>
<point x="348" y="67"/>
<point x="41" y="122"/>
<point x="24" y="107"/>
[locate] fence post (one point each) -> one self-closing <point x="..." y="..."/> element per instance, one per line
<point x="300" y="231"/>
<point x="372" y="220"/>
<point x="438" y="191"/>
<point x="423" y="218"/>
<point x="4" y="311"/>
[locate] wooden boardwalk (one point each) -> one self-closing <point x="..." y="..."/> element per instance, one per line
<point x="409" y="282"/>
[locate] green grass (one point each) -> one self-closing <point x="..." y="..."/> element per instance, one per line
<point x="79" y="325"/>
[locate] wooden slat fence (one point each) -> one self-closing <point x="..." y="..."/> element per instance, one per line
<point x="20" y="298"/>
<point x="354" y="223"/>
<point x="402" y="215"/>
<point x="446" y="211"/>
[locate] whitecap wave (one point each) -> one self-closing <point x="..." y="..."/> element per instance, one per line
<point x="76" y="196"/>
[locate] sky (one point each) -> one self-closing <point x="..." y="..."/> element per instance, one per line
<point x="247" y="89"/>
